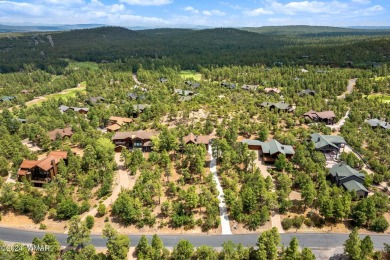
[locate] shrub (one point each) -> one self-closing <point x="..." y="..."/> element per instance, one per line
<point x="297" y="221"/>
<point x="379" y="224"/>
<point x="84" y="207"/>
<point x="101" y="210"/>
<point x="308" y="222"/>
<point x="90" y="221"/>
<point x="287" y="223"/>
<point x="42" y="226"/>
<point x="67" y="209"/>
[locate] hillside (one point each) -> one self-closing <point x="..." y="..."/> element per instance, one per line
<point x="191" y="48"/>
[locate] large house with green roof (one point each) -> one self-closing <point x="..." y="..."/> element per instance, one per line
<point x="270" y="151"/>
<point x="328" y="143"/>
<point x="6" y="98"/>
<point x="280" y="106"/>
<point x="352" y="180"/>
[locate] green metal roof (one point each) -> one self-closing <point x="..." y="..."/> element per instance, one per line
<point x="343" y="170"/>
<point x="324" y="140"/>
<point x="354" y="185"/>
<point x="271" y="147"/>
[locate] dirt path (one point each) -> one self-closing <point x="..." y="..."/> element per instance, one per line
<point x="136" y="80"/>
<point x="350" y="87"/>
<point x="122" y="180"/>
<point x="275" y="216"/>
<point x="222" y="206"/>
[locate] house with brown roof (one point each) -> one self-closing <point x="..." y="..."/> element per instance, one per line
<point x="197" y="139"/>
<point x="328" y="117"/>
<point x="42" y="171"/>
<point x="62" y="133"/>
<point x="120" y="120"/>
<point x="272" y="90"/>
<point x="133" y="140"/>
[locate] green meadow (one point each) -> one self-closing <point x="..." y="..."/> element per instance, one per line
<point x="188" y="74"/>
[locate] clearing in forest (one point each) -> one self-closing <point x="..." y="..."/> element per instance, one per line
<point x="187" y="74"/>
<point x="81" y="65"/>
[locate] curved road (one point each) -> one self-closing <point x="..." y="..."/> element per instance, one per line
<point x="312" y="240"/>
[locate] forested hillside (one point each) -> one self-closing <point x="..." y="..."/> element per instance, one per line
<point x="190" y="48"/>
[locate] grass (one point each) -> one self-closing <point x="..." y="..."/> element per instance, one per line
<point x="188" y="74"/>
<point x="381" y="78"/>
<point x="84" y="65"/>
<point x="65" y="94"/>
<point x="383" y="98"/>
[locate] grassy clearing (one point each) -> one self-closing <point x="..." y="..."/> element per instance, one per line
<point x="383" y="98"/>
<point x="381" y="78"/>
<point x="65" y="94"/>
<point x="187" y="74"/>
<point x="84" y="65"/>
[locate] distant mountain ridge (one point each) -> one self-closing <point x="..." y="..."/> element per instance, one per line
<point x="45" y="28"/>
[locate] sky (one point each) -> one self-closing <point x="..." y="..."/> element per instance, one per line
<point x="191" y="13"/>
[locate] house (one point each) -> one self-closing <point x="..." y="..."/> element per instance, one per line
<point x="21" y="120"/>
<point x="307" y="92"/>
<point x="132" y="140"/>
<point x="250" y="87"/>
<point x="139" y="108"/>
<point x="81" y="110"/>
<point x="6" y="98"/>
<point x="42" y="171"/>
<point x="25" y="91"/>
<point x="374" y="123"/>
<point x="119" y="120"/>
<point x="328" y="143"/>
<point x="192" y="84"/>
<point x="163" y="80"/>
<point x="184" y="99"/>
<point x="343" y="175"/>
<point x="197" y="139"/>
<point x="280" y="106"/>
<point x="132" y="96"/>
<point x="328" y="117"/>
<point x="272" y="90"/>
<point x="65" y="132"/>
<point x="270" y="151"/>
<point x="94" y="100"/>
<point x="113" y="128"/>
<point x="182" y="92"/>
<point x="228" y="85"/>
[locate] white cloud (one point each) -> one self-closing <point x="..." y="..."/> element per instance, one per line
<point x="235" y="7"/>
<point x="257" y="12"/>
<point x="213" y="12"/>
<point x="62" y="2"/>
<point x="314" y="7"/>
<point x="363" y="2"/>
<point x="375" y="8"/>
<point x="147" y="2"/>
<point x="191" y="10"/>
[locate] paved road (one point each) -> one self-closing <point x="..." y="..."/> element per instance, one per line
<point x="312" y="240"/>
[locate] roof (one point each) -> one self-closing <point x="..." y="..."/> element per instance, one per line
<point x="59" y="154"/>
<point x="324" y="140"/>
<point x="354" y="185"/>
<point x="271" y="147"/>
<point x="250" y="87"/>
<point x="280" y="105"/>
<point x="120" y="120"/>
<point x="114" y="127"/>
<point x="64" y="108"/>
<point x="191" y="137"/>
<point x="323" y="115"/>
<point x="343" y="170"/>
<point x="78" y="109"/>
<point x="28" y="164"/>
<point x="134" y="134"/>
<point x="307" y="92"/>
<point x="7" y="98"/>
<point x="275" y="90"/>
<point x="251" y="142"/>
<point x="95" y="99"/>
<point x="67" y="131"/>
<point x="376" y="122"/>
<point x="45" y="164"/>
<point x="132" y="95"/>
<point x="186" y="98"/>
<point x="140" y="107"/>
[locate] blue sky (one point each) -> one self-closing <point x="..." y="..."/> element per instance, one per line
<point x="213" y="13"/>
